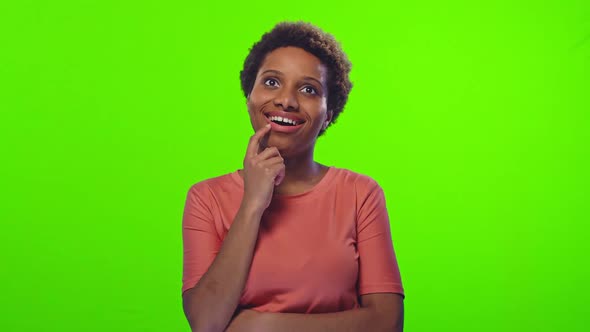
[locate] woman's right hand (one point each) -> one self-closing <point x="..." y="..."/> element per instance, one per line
<point x="263" y="169"/>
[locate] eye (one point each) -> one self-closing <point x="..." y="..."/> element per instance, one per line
<point x="271" y="82"/>
<point x="310" y="90"/>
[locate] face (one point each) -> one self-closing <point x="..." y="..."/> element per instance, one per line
<point x="290" y="92"/>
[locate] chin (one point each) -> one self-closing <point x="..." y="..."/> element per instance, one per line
<point x="285" y="146"/>
<point x="279" y="142"/>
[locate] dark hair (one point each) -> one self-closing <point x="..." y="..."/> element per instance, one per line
<point x="313" y="40"/>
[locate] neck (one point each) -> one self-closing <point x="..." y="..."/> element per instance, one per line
<point x="298" y="170"/>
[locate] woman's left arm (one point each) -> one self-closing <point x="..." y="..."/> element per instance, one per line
<point x="378" y="312"/>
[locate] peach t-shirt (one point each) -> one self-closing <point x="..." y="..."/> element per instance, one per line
<point x="316" y="251"/>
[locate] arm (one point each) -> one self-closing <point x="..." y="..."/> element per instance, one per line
<point x="380" y="285"/>
<point x="211" y="303"/>
<point x="379" y="312"/>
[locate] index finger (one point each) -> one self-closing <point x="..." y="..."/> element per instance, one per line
<point x="255" y="140"/>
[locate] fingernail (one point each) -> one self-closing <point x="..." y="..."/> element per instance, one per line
<point x="267" y="125"/>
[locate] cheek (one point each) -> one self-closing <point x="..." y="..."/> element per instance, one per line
<point x="259" y="97"/>
<point x="254" y="102"/>
<point x="319" y="109"/>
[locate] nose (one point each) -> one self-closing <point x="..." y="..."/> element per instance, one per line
<point x="286" y="99"/>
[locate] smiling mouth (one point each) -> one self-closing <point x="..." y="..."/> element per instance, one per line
<point x="282" y="121"/>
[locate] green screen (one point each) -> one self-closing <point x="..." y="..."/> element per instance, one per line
<point x="472" y="116"/>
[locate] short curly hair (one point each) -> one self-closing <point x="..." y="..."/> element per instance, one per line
<point x="313" y="40"/>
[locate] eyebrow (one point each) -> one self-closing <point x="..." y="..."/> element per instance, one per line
<point x="279" y="73"/>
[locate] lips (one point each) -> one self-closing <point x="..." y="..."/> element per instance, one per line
<point x="283" y="122"/>
<point x="286" y="117"/>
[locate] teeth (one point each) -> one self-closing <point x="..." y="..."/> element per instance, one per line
<point x="281" y="119"/>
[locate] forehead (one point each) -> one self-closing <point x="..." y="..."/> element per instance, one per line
<point x="295" y="62"/>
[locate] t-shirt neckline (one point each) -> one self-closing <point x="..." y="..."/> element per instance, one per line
<point x="317" y="188"/>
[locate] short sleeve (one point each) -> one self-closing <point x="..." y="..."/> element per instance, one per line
<point x="378" y="267"/>
<point x="200" y="240"/>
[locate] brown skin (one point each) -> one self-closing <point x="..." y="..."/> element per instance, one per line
<point x="277" y="163"/>
<point x="287" y="89"/>
<point x="379" y="312"/>
<point x="211" y="304"/>
<point x="292" y="80"/>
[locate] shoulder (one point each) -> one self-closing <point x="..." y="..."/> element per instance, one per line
<point x="362" y="190"/>
<point x="213" y="186"/>
<point x="361" y="183"/>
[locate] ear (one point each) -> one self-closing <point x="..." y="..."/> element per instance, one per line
<point x="329" y="116"/>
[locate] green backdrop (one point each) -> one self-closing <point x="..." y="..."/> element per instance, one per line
<point x="472" y="116"/>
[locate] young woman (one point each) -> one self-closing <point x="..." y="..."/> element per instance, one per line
<point x="286" y="243"/>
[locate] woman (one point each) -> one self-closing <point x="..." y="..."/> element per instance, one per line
<point x="286" y="243"/>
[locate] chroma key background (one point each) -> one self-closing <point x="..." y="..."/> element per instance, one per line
<point x="473" y="117"/>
